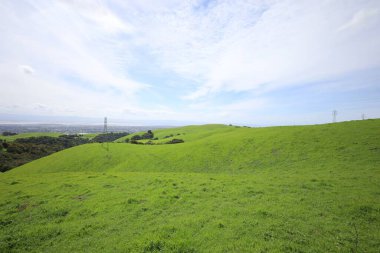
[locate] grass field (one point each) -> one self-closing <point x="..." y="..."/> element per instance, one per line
<point x="89" y="136"/>
<point x="28" y="135"/>
<point x="226" y="189"/>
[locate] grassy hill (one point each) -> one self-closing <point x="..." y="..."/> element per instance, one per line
<point x="38" y="134"/>
<point x="28" y="135"/>
<point x="226" y="189"/>
<point x="188" y="133"/>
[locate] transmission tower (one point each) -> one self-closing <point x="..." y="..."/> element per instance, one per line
<point x="363" y="116"/>
<point x="105" y="144"/>
<point x="334" y="113"/>
<point x="105" y="125"/>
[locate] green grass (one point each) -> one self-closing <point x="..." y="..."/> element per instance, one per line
<point x="89" y="136"/>
<point x="28" y="135"/>
<point x="187" y="133"/>
<point x="226" y="189"/>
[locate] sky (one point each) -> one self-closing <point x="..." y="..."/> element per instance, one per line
<point x="258" y="62"/>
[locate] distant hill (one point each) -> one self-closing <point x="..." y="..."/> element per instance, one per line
<point x="227" y="149"/>
<point x="27" y="135"/>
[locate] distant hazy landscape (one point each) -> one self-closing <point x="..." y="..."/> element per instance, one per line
<point x="71" y="129"/>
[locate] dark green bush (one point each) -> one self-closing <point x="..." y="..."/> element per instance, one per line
<point x="135" y="142"/>
<point x="145" y="136"/>
<point x="24" y="150"/>
<point x="175" y="141"/>
<point x="148" y="135"/>
<point x="136" y="138"/>
<point x="168" y="136"/>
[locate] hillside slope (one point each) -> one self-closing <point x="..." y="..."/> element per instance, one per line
<point x="219" y="148"/>
<point x="226" y="189"/>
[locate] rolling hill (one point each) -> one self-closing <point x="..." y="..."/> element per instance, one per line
<point x="225" y="189"/>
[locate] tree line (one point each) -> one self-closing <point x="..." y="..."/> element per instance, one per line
<point x="24" y="150"/>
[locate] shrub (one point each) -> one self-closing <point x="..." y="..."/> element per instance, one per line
<point x="136" y="137"/>
<point x="17" y="149"/>
<point x="175" y="141"/>
<point x="148" y="135"/>
<point x="5" y="145"/>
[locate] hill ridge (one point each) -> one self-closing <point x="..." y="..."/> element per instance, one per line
<point x="230" y="148"/>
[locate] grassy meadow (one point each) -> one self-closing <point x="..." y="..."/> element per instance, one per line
<point x="89" y="136"/>
<point x="225" y="189"/>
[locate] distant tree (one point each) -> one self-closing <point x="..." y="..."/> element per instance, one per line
<point x="16" y="148"/>
<point x="24" y="150"/>
<point x="5" y="144"/>
<point x="145" y="136"/>
<point x="136" y="137"/>
<point x="8" y="133"/>
<point x="148" y="135"/>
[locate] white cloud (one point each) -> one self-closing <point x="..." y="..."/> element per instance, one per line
<point x="261" y="45"/>
<point x="40" y="106"/>
<point x="361" y="18"/>
<point x="76" y="57"/>
<point x="98" y="14"/>
<point x="27" y="69"/>
<point x="38" y="95"/>
<point x="67" y="42"/>
<point x="245" y="105"/>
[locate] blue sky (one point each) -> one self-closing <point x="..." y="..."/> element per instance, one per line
<point x="240" y="62"/>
